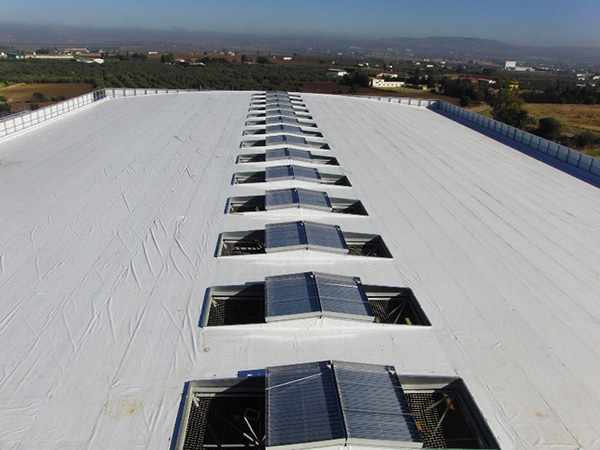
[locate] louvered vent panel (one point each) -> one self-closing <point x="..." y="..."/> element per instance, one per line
<point x="302" y="405"/>
<point x="374" y="405"/>
<point x="285" y="236"/>
<point x="287" y="295"/>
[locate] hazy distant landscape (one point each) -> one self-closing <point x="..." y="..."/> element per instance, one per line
<point x="550" y="91"/>
<point x="454" y="48"/>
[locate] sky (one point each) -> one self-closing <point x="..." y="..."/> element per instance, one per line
<point x="524" y="22"/>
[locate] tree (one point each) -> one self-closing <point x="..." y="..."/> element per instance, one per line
<point x="465" y="101"/>
<point x="549" y="128"/>
<point x="262" y="60"/>
<point x="508" y="107"/>
<point x="38" y="97"/>
<point x="167" y="58"/>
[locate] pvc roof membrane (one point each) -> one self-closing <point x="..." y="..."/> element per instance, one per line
<point x="304" y="235"/>
<point x="111" y="217"/>
<point x="294" y="197"/>
<point x="315" y="294"/>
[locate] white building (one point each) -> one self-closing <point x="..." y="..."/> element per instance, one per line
<point x="381" y="83"/>
<point x="336" y="72"/>
<point x="249" y="253"/>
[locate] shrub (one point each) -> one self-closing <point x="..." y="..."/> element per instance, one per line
<point x="549" y="128"/>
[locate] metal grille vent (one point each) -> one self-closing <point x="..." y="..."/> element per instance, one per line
<point x="441" y="420"/>
<point x="225" y="421"/>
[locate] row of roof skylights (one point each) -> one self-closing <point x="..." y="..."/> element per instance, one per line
<point x="322" y="403"/>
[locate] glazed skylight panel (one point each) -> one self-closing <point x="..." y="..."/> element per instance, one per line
<point x="291" y="297"/>
<point x="293" y="197"/>
<point x="278" y="173"/>
<point x="302" y="406"/>
<point x="374" y="406"/>
<point x="343" y="296"/>
<point x="314" y="295"/>
<point x="344" y="403"/>
<point x="304" y="235"/>
<point x="313" y="199"/>
<point x="274" y="154"/>
<point x="285" y="120"/>
<point x="286" y="139"/>
<point x="272" y="129"/>
<point x="280" y="113"/>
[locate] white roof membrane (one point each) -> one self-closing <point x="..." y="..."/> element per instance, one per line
<point x="110" y="218"/>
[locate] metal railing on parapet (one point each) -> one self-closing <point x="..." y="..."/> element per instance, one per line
<point x="556" y="151"/>
<point x="17" y="122"/>
<point x="133" y="92"/>
<point x="559" y="152"/>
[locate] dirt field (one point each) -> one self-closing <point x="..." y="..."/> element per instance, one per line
<point x="575" y="118"/>
<point x="19" y="94"/>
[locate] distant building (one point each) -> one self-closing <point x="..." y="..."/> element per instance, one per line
<point x="337" y="72"/>
<point x="381" y="83"/>
<point x="517" y="66"/>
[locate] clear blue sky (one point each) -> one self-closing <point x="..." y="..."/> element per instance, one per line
<point x="524" y="22"/>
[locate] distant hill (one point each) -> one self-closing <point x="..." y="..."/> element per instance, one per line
<point x="473" y="48"/>
<point x="452" y="48"/>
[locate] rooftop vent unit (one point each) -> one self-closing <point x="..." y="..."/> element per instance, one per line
<point x="280" y="112"/>
<point x="293" y="154"/>
<point x="275" y="120"/>
<point x="297" y="296"/>
<point x="331" y="403"/>
<point x="301" y="235"/>
<point x="295" y="198"/>
<point x="282" y="128"/>
<point x="284" y="140"/>
<point x="278" y="105"/>
<point x="291" y="172"/>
